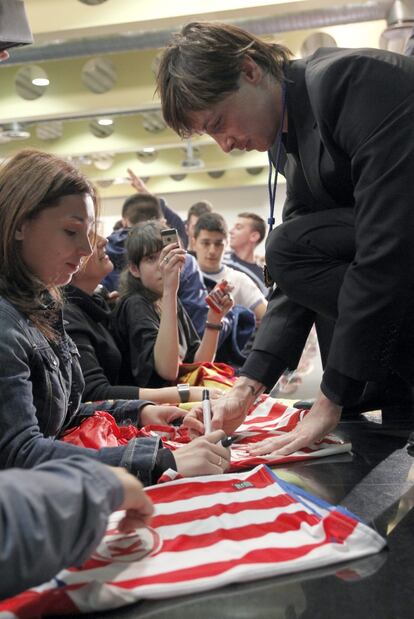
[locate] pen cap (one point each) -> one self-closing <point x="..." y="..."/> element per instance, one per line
<point x="206" y="395"/>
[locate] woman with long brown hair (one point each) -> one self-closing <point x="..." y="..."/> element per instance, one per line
<point x="48" y="211"/>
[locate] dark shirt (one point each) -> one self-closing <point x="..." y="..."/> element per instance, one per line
<point x="135" y="326"/>
<point x="87" y="320"/>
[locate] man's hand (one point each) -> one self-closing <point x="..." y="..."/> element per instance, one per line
<point x="138" y="506"/>
<point x="229" y="411"/>
<point x="322" y="418"/>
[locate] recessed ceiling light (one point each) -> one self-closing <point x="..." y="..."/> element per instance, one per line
<point x="148" y="149"/>
<point x="40" y="81"/>
<point x="105" y="122"/>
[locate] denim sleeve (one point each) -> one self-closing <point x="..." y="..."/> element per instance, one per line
<point x="123" y="411"/>
<point x="24" y="442"/>
<point x="51" y="518"/>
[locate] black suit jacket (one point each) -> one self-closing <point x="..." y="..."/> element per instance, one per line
<point x="351" y="115"/>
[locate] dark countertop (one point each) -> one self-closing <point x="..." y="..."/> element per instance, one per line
<point x="376" y="482"/>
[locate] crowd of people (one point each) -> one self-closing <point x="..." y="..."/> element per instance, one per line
<point x="90" y="323"/>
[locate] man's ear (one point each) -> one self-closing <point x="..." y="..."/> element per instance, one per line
<point x="19" y="234"/>
<point x="134" y="270"/>
<point x="251" y="71"/>
<point x="254" y="237"/>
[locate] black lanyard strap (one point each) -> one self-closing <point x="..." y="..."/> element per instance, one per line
<point x="274" y="169"/>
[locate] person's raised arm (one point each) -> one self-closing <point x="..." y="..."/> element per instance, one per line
<point x="208" y="345"/>
<point x="137" y="182"/>
<point x="166" y="348"/>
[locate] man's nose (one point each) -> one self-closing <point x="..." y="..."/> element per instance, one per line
<point x="226" y="143"/>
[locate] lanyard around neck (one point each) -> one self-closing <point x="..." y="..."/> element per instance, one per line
<point x="272" y="180"/>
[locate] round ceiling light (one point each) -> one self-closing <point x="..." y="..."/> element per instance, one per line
<point x="316" y="40"/>
<point x="254" y="171"/>
<point x="92" y="2"/>
<point x="216" y="173"/>
<point x="147" y="155"/>
<point x="103" y="161"/>
<point x="99" y="75"/>
<point x="31" y="82"/>
<point x="99" y="130"/>
<point x="52" y="130"/>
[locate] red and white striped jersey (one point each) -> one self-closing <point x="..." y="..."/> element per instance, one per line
<point x="267" y="418"/>
<point x="207" y="532"/>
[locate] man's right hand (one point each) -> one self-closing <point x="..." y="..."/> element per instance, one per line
<point x="228" y="411"/>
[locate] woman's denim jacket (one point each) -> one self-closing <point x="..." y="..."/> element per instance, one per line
<point x="40" y="396"/>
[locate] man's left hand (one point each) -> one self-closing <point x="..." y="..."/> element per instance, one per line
<point x="322" y="418"/>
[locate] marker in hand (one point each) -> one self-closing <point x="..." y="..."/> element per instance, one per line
<point x="206" y="411"/>
<point x="229" y="440"/>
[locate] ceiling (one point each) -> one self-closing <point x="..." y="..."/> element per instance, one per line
<point x="99" y="58"/>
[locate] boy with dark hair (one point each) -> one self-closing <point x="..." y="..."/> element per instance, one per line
<point x="194" y="212"/>
<point x="138" y="206"/>
<point x="210" y="239"/>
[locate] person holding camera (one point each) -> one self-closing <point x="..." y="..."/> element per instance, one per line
<point x="153" y="331"/>
<point x="88" y="322"/>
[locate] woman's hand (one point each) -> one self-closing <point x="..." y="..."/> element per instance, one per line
<point x="322" y="418"/>
<point x="172" y="260"/>
<point x="160" y="415"/>
<point x="203" y="456"/>
<point x="196" y="393"/>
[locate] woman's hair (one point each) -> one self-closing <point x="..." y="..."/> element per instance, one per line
<point x="202" y="65"/>
<point x="30" y="182"/>
<point x="143" y="240"/>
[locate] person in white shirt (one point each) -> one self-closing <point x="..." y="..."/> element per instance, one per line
<point x="210" y="240"/>
<point x="247" y="233"/>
